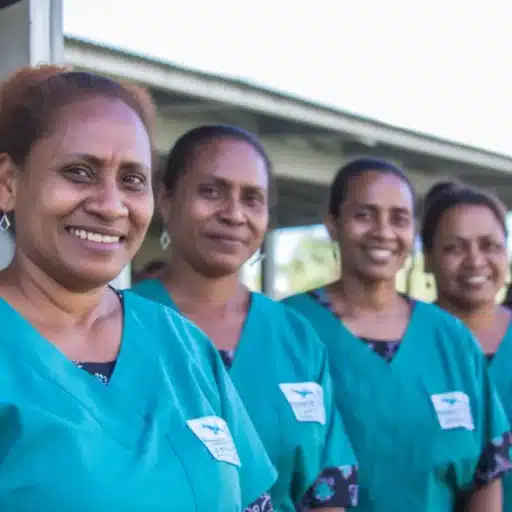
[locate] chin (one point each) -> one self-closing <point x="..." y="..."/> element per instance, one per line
<point x="384" y="274"/>
<point x="222" y="266"/>
<point x="91" y="277"/>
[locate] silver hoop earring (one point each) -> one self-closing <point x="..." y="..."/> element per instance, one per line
<point x="5" y="223"/>
<point x="165" y="239"/>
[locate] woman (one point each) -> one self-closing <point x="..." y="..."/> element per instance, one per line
<point x="109" y="402"/>
<point x="464" y="238"/>
<point x="215" y="205"/>
<point x="411" y="384"/>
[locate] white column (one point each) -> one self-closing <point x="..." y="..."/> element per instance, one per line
<point x="124" y="279"/>
<point x="268" y="270"/>
<point x="30" y="33"/>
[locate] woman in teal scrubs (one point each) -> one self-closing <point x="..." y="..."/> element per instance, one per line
<point x="215" y="204"/>
<point x="411" y="383"/>
<point x="109" y="401"/>
<point x="464" y="237"/>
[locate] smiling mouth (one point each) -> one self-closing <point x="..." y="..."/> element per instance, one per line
<point x="227" y="239"/>
<point x="474" y="280"/>
<point x="95" y="237"/>
<point x="380" y="254"/>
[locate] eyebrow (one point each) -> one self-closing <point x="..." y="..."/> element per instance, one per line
<point x="226" y="183"/>
<point x="401" y="209"/>
<point x="101" y="162"/>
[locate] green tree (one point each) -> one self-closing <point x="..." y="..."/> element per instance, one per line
<point x="312" y="264"/>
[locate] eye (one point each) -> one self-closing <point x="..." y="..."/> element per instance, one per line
<point x="401" y="220"/>
<point x="254" y="199"/>
<point x="135" y="181"/>
<point x="363" y="215"/>
<point x="79" y="173"/>
<point x="491" y="246"/>
<point x="209" y="191"/>
<point x="451" y="249"/>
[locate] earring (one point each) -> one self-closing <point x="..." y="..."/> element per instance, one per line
<point x="165" y="239"/>
<point x="5" y="224"/>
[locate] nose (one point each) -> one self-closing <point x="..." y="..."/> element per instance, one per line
<point x="233" y="212"/>
<point x="107" y="202"/>
<point x="475" y="259"/>
<point x="383" y="228"/>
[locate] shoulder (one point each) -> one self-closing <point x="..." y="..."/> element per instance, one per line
<point x="449" y="328"/>
<point x="151" y="289"/>
<point x="295" y="332"/>
<point x="170" y="330"/>
<point x="301" y="301"/>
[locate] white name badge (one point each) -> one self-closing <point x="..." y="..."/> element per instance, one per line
<point x="453" y="410"/>
<point x="306" y="400"/>
<point x="215" y="435"/>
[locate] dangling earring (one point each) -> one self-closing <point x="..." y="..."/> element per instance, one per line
<point x="165" y="239"/>
<point x="5" y="223"/>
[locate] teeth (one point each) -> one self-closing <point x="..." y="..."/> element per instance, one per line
<point x="380" y="254"/>
<point x="476" y="279"/>
<point x="94" y="237"/>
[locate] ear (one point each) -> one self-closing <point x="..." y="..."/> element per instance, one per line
<point x="163" y="202"/>
<point x="9" y="174"/>
<point x="330" y="225"/>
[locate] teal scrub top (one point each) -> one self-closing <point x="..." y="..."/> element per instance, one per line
<point x="421" y="423"/>
<point x="168" y="433"/>
<point x="278" y="367"/>
<point x="500" y="369"/>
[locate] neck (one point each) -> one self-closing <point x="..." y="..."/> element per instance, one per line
<point x="27" y="286"/>
<point x="480" y="318"/>
<point x="189" y="287"/>
<point x="361" y="295"/>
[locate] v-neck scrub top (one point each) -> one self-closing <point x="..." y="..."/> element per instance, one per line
<point x="426" y="423"/>
<point x="167" y="433"/>
<point x="280" y="370"/>
<point x="500" y="369"/>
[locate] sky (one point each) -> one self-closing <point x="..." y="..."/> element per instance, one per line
<point x="436" y="66"/>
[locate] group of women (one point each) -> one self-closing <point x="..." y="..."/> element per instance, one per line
<point x="191" y="393"/>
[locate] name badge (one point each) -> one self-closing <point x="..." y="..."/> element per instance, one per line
<point x="306" y="400"/>
<point x="453" y="410"/>
<point x="215" y="435"/>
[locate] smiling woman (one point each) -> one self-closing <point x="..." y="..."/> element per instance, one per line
<point x="412" y="385"/>
<point x="214" y="200"/>
<point x="114" y="394"/>
<point x="464" y="234"/>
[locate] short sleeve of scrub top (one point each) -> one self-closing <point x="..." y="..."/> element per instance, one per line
<point x="336" y="485"/>
<point x="257" y="474"/>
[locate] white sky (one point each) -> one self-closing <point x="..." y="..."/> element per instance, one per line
<point x="439" y="66"/>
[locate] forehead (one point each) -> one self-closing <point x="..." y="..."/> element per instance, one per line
<point x="107" y="129"/>
<point x="234" y="161"/>
<point x="469" y="221"/>
<point x="382" y="189"/>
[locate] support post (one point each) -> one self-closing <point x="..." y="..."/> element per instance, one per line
<point x="268" y="270"/>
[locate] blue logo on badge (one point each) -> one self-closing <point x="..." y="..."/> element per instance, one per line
<point x="303" y="392"/>
<point x="214" y="429"/>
